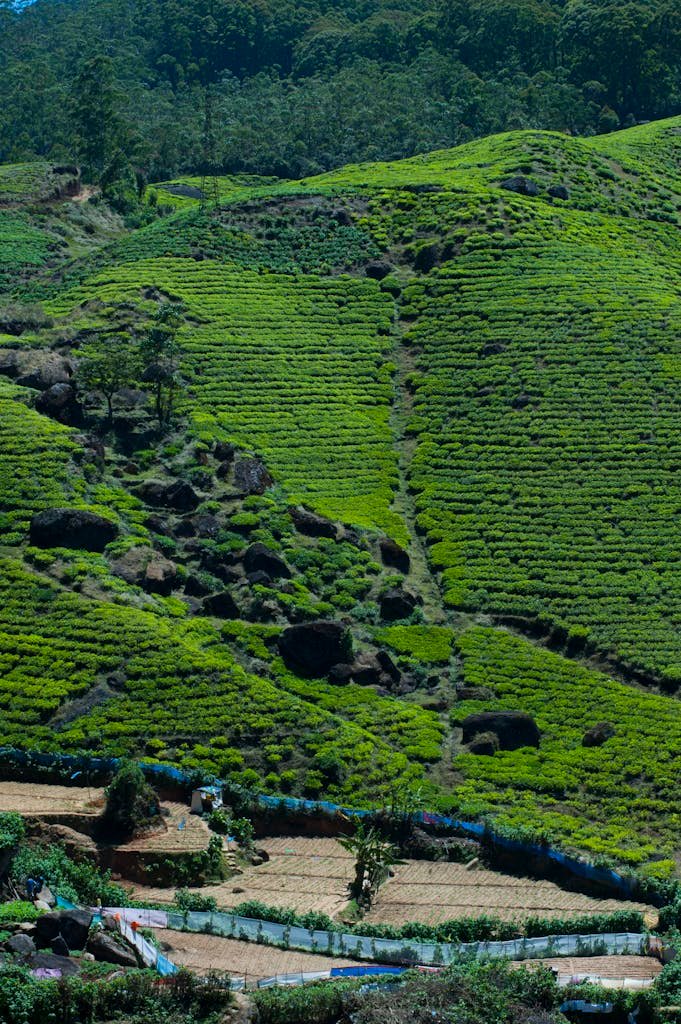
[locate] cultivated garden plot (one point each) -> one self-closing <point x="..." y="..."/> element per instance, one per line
<point x="312" y="874"/>
<point x="36" y="798"/>
<point x="204" y="953"/>
<point x="614" y="971"/>
<point x="432" y="893"/>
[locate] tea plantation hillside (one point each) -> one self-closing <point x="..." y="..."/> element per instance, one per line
<point x="427" y="411"/>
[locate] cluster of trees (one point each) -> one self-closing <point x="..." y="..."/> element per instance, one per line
<point x="117" y="361"/>
<point x="299" y="86"/>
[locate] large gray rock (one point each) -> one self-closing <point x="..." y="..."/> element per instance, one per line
<point x="311" y="524"/>
<point x="397" y="604"/>
<point x="521" y="185"/>
<point x="105" y="948"/>
<point x="20" y="945"/>
<point x="598" y="734"/>
<point x="60" y="403"/>
<point x="251" y="476"/>
<point x="35" y="369"/>
<point x="72" y="528"/>
<point x="72" y="925"/>
<point x="177" y="494"/>
<point x="513" y="729"/>
<point x="312" y="648"/>
<point x="222" y="605"/>
<point x="394" y="555"/>
<point x="146" y="568"/>
<point x="259" y="558"/>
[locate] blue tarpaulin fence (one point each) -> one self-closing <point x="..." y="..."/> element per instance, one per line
<point x="77" y="763"/>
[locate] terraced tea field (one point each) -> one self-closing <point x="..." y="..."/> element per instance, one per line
<point x="292" y="367"/>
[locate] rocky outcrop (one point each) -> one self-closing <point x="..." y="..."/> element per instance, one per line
<point x="598" y="734"/>
<point x="393" y="555"/>
<point x="259" y="558"/>
<point x="397" y="604"/>
<point x="559" y="192"/>
<point x="20" y="945"/>
<point x="72" y="925"/>
<point x="513" y="729"/>
<point x="222" y="605"/>
<point x="178" y="495"/>
<point x="106" y="949"/>
<point x="146" y="568"/>
<point x="311" y="524"/>
<point x="484" y="743"/>
<point x="35" y="369"/>
<point x="251" y="476"/>
<point x="312" y="648"/>
<point x="521" y="186"/>
<point x="60" y="403"/>
<point x="71" y="528"/>
<point x="377" y="270"/>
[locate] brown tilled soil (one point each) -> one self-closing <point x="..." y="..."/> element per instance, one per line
<point x="610" y="968"/>
<point x="36" y="798"/>
<point x="312" y="874"/>
<point x="203" y="953"/>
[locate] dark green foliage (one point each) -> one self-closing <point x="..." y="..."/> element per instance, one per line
<point x="462" y="929"/>
<point x="194" y="901"/>
<point x="131" y="803"/>
<point x="80" y="882"/>
<point x="470" y="993"/>
<point x="12" y="830"/>
<point x="300" y="87"/>
<point x="135" y="994"/>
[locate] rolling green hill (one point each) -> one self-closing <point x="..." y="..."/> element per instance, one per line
<point x="473" y="352"/>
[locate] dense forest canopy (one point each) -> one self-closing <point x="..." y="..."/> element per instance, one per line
<point x="299" y="86"/>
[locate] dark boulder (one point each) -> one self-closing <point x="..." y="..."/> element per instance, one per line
<point x="388" y="666"/>
<point x="394" y="555"/>
<point x="160" y="575"/>
<point x="59" y="946"/>
<point x="377" y="270"/>
<point x="259" y="558"/>
<point x="72" y="528"/>
<point x="493" y="348"/>
<point x="259" y="578"/>
<point x="559" y="192"/>
<point x="475" y="693"/>
<point x="106" y="949"/>
<point x="598" y="734"/>
<point x="521" y="185"/>
<point x="340" y="674"/>
<point x="484" y="743"/>
<point x="194" y="586"/>
<point x="59" y="402"/>
<point x="66" y="966"/>
<point x="20" y="945"/>
<point x="397" y="604"/>
<point x="367" y="670"/>
<point x="178" y="495"/>
<point x="427" y="257"/>
<point x="311" y="524"/>
<point x="72" y="925"/>
<point x="92" y="450"/>
<point x="251" y="476"/>
<point x="223" y="451"/>
<point x="513" y="729"/>
<point x="521" y="401"/>
<point x="41" y="370"/>
<point x="342" y="217"/>
<point x="222" y="605"/>
<point x="312" y="648"/>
